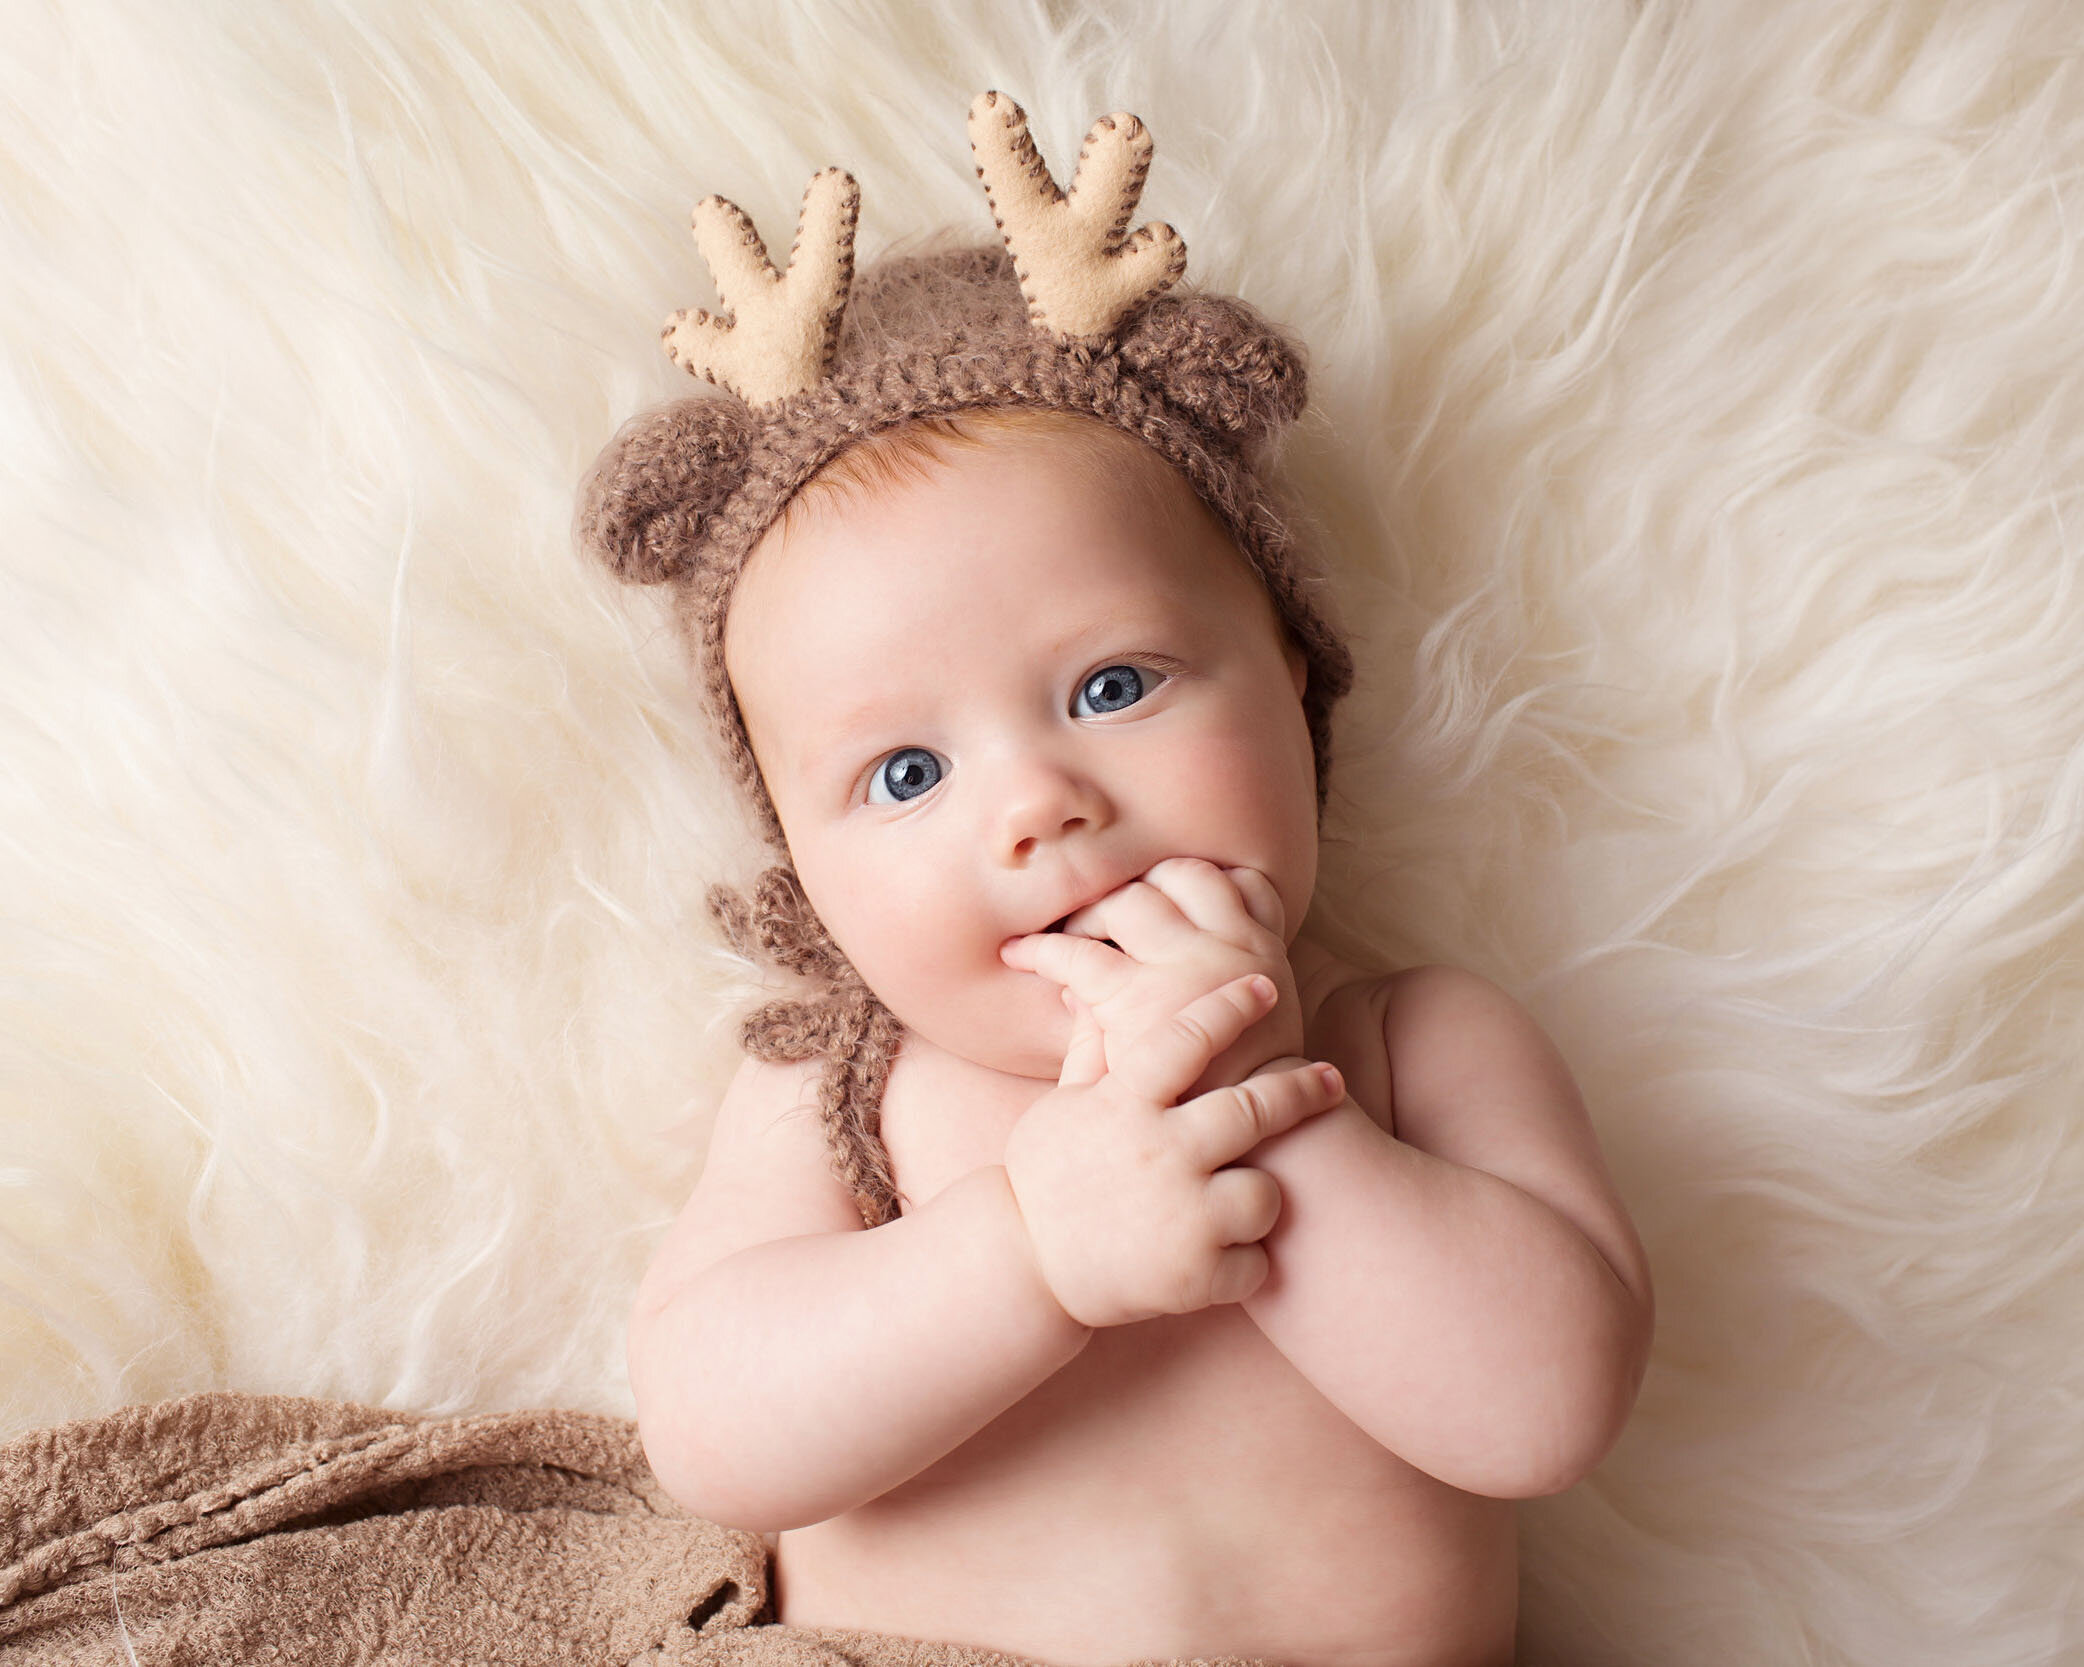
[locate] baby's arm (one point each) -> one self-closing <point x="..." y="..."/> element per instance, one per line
<point x="1468" y="1290"/>
<point x="789" y="1365"/>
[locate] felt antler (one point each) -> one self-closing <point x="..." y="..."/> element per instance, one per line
<point x="782" y="329"/>
<point x="1079" y="274"/>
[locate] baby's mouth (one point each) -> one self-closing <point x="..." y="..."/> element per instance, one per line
<point x="1058" y="926"/>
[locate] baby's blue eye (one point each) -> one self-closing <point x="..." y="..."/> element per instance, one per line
<point x="1111" y="688"/>
<point x="911" y="771"/>
<point x="905" y="774"/>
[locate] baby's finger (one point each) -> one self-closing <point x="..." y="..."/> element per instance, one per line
<point x="1085" y="1059"/>
<point x="1085" y="964"/>
<point x="1262" y="901"/>
<point x="1243" y="1204"/>
<point x="1168" y="1059"/>
<point x="1138" y="916"/>
<point x="1224" y="1124"/>
<point x="1241" y="1271"/>
<point x="1204" y="893"/>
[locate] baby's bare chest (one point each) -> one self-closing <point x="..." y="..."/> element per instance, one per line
<point x="1180" y="1474"/>
<point x="1186" y="1402"/>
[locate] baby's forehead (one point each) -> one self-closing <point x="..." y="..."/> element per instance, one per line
<point x="1082" y="454"/>
<point x="1069" y="518"/>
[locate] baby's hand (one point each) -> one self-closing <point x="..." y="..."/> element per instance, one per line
<point x="1185" y="928"/>
<point x="1124" y="1193"/>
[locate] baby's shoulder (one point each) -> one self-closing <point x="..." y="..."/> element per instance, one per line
<point x="1440" y="1008"/>
<point x="1480" y="1083"/>
<point x="1329" y="985"/>
<point x="767" y="1175"/>
<point x="1341" y="1006"/>
<point x="1414" y="1041"/>
<point x="1411" y="1006"/>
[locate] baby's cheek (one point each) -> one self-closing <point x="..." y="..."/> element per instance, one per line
<point x="1227" y="786"/>
<point x="1249" y="804"/>
<point x="914" y="938"/>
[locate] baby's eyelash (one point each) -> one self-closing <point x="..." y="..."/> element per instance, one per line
<point x="1164" y="664"/>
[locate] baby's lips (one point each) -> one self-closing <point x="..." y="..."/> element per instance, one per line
<point x="1013" y="945"/>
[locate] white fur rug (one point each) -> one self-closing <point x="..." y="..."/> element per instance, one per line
<point x="1700" y="428"/>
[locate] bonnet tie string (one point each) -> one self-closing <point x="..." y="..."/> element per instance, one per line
<point x="843" y="1023"/>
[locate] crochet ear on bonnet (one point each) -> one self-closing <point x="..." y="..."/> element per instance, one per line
<point x="1064" y="313"/>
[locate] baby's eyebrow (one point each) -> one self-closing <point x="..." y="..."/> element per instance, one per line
<point x="852" y="729"/>
<point x="835" y="743"/>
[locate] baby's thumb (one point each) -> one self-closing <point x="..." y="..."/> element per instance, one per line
<point x="1085" y="1059"/>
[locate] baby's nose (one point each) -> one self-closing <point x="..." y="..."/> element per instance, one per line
<point x="1047" y="800"/>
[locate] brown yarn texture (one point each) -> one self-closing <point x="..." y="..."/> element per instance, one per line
<point x="229" y="1528"/>
<point x="682" y="494"/>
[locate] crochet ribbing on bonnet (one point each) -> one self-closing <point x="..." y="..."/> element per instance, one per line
<point x="1064" y="313"/>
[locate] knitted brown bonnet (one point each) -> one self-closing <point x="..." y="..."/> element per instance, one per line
<point x="1067" y="315"/>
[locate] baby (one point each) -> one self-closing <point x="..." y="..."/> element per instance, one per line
<point x="1100" y="1269"/>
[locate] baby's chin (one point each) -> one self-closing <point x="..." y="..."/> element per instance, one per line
<point x="1028" y="1039"/>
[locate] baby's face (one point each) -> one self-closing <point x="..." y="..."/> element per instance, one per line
<point x="983" y="700"/>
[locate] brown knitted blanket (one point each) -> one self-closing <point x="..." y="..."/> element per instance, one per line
<point x="241" y="1528"/>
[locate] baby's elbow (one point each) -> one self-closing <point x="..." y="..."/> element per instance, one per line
<point x="677" y="1435"/>
<point x="1556" y="1466"/>
<point x="699" y="1476"/>
<point x="1526" y="1470"/>
<point x="1581" y="1426"/>
<point x="701" y="1484"/>
<point x="688" y="1474"/>
<point x="1569" y="1410"/>
<point x="689" y="1481"/>
<point x="709" y="1463"/>
<point x="1554" y="1455"/>
<point x="706" y="1468"/>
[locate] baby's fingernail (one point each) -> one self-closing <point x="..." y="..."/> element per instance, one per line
<point x="1329" y="1076"/>
<point x="1262" y="986"/>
